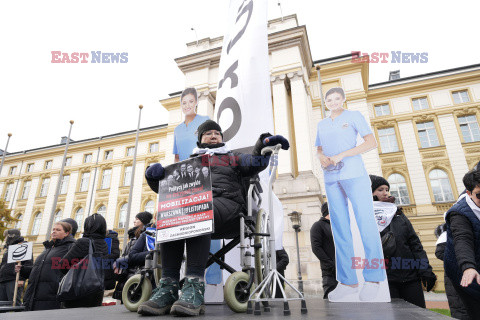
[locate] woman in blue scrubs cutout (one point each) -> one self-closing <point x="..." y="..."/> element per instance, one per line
<point x="185" y="140"/>
<point x="184" y="135"/>
<point x="346" y="177"/>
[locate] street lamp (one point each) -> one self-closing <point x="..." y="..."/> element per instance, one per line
<point x="296" y="219"/>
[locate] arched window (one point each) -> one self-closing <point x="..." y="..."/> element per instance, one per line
<point x="79" y="218"/>
<point x="150" y="207"/>
<point x="58" y="216"/>
<point x="102" y="210"/>
<point x="123" y="215"/>
<point x="36" y="224"/>
<point x="18" y="223"/>
<point x="442" y="191"/>
<point x="398" y="189"/>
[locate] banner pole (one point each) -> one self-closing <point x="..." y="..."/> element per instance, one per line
<point x="132" y="179"/>
<point x="4" y="153"/>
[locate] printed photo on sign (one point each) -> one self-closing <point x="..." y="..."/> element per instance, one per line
<point x="185" y="207"/>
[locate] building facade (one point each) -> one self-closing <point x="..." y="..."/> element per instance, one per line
<point x="427" y="128"/>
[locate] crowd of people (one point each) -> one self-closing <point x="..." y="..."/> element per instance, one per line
<point x="63" y="252"/>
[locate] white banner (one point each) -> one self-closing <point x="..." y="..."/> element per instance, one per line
<point x="244" y="104"/>
<point x="20" y="252"/>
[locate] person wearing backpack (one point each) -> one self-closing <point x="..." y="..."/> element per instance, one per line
<point x="407" y="263"/>
<point x="95" y="229"/>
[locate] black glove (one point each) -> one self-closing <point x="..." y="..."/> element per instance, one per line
<point x="429" y="281"/>
<point x="155" y="172"/>
<point x="274" y="140"/>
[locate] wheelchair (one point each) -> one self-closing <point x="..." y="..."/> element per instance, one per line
<point x="253" y="234"/>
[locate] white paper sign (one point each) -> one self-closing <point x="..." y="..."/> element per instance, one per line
<point x="20" y="252"/>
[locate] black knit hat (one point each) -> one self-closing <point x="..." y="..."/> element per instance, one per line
<point x="378" y="181"/>
<point x="207" y="126"/>
<point x="324" y="209"/>
<point x="73" y="223"/>
<point x="145" y="217"/>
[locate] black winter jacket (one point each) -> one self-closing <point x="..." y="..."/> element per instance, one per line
<point x="282" y="261"/>
<point x="323" y="246"/>
<point x="457" y="308"/>
<point x="7" y="270"/>
<point x="228" y="186"/>
<point x="410" y="261"/>
<point x="111" y="257"/>
<point x="45" y="275"/>
<point x="122" y="262"/>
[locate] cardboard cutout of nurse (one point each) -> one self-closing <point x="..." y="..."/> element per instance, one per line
<point x="185" y="140"/>
<point x="360" y="270"/>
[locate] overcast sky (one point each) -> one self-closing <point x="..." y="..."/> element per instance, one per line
<point x="38" y="98"/>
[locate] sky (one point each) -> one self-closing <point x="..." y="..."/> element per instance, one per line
<point x="38" y="97"/>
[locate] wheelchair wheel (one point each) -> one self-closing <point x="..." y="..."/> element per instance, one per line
<point x="234" y="291"/>
<point x="262" y="255"/>
<point x="131" y="300"/>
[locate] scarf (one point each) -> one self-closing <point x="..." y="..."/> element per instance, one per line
<point x="384" y="213"/>
<point x="211" y="151"/>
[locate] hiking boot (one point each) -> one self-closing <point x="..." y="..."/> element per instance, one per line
<point x="162" y="298"/>
<point x="191" y="301"/>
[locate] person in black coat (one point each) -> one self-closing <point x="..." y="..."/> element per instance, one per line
<point x="228" y="170"/>
<point x="95" y="229"/>
<point x="282" y="263"/>
<point x="123" y="268"/>
<point x="111" y="257"/>
<point x="457" y="308"/>
<point x="45" y="274"/>
<point x="408" y="267"/>
<point x="462" y="252"/>
<point x="323" y="247"/>
<point x="7" y="270"/>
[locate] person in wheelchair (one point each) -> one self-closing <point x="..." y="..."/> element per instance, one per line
<point x="228" y="202"/>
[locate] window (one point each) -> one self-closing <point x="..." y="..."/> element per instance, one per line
<point x="79" y="217"/>
<point x="460" y="96"/>
<point x="68" y="161"/>
<point x="106" y="177"/>
<point x="382" y="109"/>
<point x="18" y="223"/>
<point x="130" y="151"/>
<point x="44" y="187"/>
<point x="108" y="155"/>
<point x="8" y="192"/>
<point x="87" y="158"/>
<point x="36" y="223"/>
<point x="102" y="210"/>
<point x="123" y="215"/>
<point x="150" y="206"/>
<point x="469" y="128"/>
<point x="427" y="134"/>
<point x="442" y="191"/>
<point x="127" y="176"/>
<point x="388" y="140"/>
<point x="84" y="181"/>
<point x="64" y="184"/>
<point x="58" y="216"/>
<point x="12" y="170"/>
<point x="398" y="189"/>
<point x="420" y="103"/>
<point x="48" y="164"/>
<point x="153" y="147"/>
<point x="26" y="189"/>
<point x="30" y="167"/>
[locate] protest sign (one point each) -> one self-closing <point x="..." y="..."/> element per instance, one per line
<point x="185" y="207"/>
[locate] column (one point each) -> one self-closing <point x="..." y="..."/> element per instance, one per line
<point x="282" y="121"/>
<point x="414" y="163"/>
<point x="301" y="116"/>
<point x="455" y="151"/>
